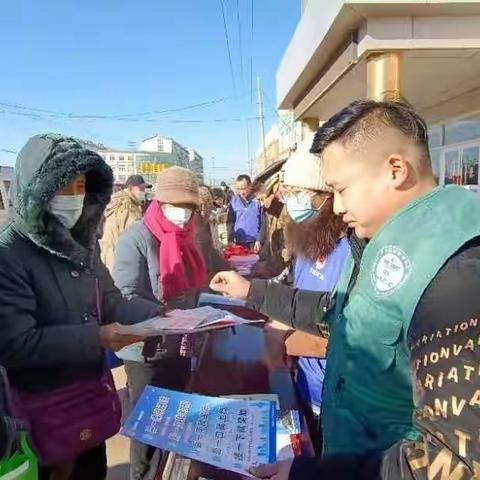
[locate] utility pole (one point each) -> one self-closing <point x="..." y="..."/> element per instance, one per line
<point x="261" y="117"/>
<point x="247" y="140"/>
<point x="212" y="168"/>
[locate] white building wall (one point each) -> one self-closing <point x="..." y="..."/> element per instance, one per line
<point x="150" y="145"/>
<point x="122" y="164"/>
<point x="157" y="144"/>
<point x="125" y="163"/>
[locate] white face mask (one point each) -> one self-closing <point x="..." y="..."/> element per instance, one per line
<point x="179" y="216"/>
<point x="67" y="209"/>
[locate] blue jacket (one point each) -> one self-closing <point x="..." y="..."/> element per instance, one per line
<point x="246" y="223"/>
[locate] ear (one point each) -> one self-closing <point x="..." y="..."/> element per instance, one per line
<point x="398" y="170"/>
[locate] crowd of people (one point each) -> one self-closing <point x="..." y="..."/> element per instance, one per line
<point x="368" y="272"/>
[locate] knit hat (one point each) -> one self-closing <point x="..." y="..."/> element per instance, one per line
<point x="304" y="169"/>
<point x="177" y="185"/>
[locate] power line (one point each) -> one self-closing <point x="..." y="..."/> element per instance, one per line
<point x="272" y="106"/>
<point x="76" y="116"/>
<point x="251" y="51"/>
<point x="37" y="116"/>
<point x="228" y="48"/>
<point x="261" y="116"/>
<point x="239" y="24"/>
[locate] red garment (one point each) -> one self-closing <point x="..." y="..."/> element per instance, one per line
<point x="181" y="266"/>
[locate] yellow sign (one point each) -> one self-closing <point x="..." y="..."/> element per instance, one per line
<point x="151" y="168"/>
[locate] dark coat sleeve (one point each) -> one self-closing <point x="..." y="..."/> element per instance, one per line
<point x="23" y="343"/>
<point x="263" y="231"/>
<point x="231" y="224"/>
<point x="444" y="345"/>
<point x="299" y="309"/>
<point x="125" y="310"/>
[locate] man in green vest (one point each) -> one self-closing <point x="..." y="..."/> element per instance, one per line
<point x="402" y="393"/>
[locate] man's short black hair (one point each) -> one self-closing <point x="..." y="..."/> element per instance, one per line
<point x="364" y="119"/>
<point x="218" y="193"/>
<point x="136" y="181"/>
<point x="245" y="178"/>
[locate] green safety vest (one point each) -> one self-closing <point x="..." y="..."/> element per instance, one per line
<point x="368" y="397"/>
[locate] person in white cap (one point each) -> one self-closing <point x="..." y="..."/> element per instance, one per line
<point x="316" y="239"/>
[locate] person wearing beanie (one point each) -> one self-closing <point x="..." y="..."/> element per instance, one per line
<point x="315" y="237"/>
<point x="158" y="259"/>
<point x="246" y="222"/>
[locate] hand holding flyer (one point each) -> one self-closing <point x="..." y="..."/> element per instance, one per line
<point x="187" y="321"/>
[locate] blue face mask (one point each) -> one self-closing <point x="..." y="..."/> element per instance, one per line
<point x="300" y="208"/>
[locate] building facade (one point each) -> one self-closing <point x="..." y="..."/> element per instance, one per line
<point x="156" y="154"/>
<point x="177" y="153"/>
<point x="129" y="162"/>
<point x="425" y="52"/>
<point x="196" y="164"/>
<point x="280" y="140"/>
<point x="455" y="153"/>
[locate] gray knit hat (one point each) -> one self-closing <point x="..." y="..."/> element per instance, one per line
<point x="177" y="185"/>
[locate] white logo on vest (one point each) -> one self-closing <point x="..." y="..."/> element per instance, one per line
<point x="390" y="270"/>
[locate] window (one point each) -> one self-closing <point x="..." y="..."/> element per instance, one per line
<point x="462" y="132"/>
<point x="436" y="156"/>
<point x="121" y="158"/>
<point x="435" y="136"/>
<point x="112" y="158"/>
<point x="470" y="159"/>
<point x="461" y="166"/>
<point x="130" y="158"/>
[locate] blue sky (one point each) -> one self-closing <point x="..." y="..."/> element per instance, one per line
<point x="112" y="58"/>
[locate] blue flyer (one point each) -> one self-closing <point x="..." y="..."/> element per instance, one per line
<point x="228" y="433"/>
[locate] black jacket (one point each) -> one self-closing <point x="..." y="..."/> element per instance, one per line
<point x="444" y="345"/>
<point x="49" y="320"/>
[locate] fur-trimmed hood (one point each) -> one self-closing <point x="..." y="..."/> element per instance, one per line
<point x="45" y="165"/>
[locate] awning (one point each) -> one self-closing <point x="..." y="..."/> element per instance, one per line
<point x="270" y="171"/>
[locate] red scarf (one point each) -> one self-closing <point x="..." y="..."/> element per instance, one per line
<point x="182" y="268"/>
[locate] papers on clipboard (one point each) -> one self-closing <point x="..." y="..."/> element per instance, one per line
<point x="186" y="321"/>
<point x="227" y="433"/>
<point x="288" y="425"/>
